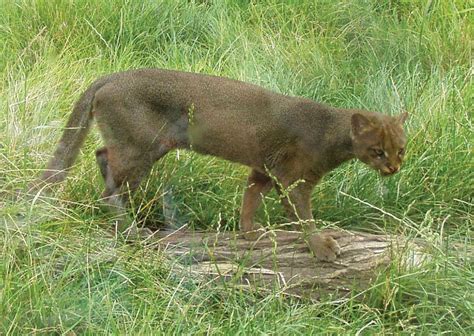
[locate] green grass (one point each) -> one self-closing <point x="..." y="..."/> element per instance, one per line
<point x="60" y="273"/>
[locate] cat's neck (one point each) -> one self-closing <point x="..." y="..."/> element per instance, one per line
<point x="323" y="133"/>
<point x="338" y="148"/>
<point x="333" y="145"/>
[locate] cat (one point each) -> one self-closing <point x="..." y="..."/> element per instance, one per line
<point x="289" y="143"/>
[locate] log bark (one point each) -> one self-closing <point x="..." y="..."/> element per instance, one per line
<point x="280" y="260"/>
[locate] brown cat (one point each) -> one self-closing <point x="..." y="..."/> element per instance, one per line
<point x="288" y="142"/>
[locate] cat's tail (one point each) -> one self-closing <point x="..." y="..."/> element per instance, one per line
<point x="73" y="137"/>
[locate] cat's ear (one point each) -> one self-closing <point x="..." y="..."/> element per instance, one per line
<point x="360" y="124"/>
<point x="402" y="117"/>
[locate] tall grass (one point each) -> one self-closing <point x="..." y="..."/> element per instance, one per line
<point x="60" y="274"/>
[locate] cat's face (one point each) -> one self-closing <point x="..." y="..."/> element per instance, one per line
<point x="379" y="142"/>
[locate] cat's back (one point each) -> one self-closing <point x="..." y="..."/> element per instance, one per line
<point x="163" y="82"/>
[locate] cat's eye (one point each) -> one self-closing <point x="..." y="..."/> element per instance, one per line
<point x="401" y="151"/>
<point x="378" y="152"/>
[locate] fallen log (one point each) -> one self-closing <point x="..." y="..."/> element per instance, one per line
<point x="280" y="260"/>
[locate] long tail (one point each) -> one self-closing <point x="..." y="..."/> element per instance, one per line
<point x="73" y="137"/>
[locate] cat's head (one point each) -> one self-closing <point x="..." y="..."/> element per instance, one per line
<point x="379" y="141"/>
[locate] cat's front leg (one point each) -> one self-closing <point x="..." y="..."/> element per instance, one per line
<point x="298" y="199"/>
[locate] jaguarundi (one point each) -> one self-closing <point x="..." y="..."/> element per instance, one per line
<point x="288" y="142"/>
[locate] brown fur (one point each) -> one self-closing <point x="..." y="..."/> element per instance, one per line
<point x="143" y="114"/>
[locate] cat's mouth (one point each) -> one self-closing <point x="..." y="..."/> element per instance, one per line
<point x="388" y="172"/>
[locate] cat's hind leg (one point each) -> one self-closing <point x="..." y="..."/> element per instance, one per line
<point x="258" y="184"/>
<point x="123" y="168"/>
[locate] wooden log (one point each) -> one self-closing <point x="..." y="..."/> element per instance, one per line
<point x="280" y="260"/>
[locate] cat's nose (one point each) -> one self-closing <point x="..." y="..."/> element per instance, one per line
<point x="393" y="169"/>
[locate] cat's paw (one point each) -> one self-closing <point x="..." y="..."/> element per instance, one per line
<point x="324" y="247"/>
<point x="253" y="234"/>
<point x="296" y="226"/>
